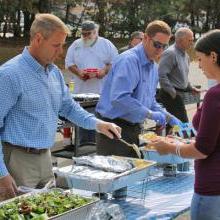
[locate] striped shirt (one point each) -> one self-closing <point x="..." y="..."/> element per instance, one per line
<point x="31" y="98"/>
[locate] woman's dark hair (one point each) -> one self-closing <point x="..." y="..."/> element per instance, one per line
<point x="209" y="42"/>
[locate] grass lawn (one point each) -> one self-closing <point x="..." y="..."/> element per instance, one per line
<point x="7" y="52"/>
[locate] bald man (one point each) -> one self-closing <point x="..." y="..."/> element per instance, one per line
<point x="173" y="73"/>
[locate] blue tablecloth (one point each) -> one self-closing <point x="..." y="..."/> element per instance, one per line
<point x="166" y="197"/>
<point x="159" y="198"/>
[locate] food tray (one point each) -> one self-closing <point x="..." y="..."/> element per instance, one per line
<point x="80" y="213"/>
<point x="138" y="173"/>
<point x="151" y="154"/>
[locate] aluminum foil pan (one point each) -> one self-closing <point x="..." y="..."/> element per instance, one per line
<point x="80" y="213"/>
<point x="96" y="180"/>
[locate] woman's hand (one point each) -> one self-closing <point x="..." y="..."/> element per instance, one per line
<point x="162" y="145"/>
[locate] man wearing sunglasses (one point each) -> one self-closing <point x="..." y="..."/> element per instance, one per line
<point x="128" y="95"/>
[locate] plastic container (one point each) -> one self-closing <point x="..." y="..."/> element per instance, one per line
<point x="71" y="86"/>
<point x="91" y="73"/>
<point x="163" y="159"/>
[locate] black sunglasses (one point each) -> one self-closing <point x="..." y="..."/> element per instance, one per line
<point x="159" y="45"/>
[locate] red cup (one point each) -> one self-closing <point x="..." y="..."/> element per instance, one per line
<point x="91" y="72"/>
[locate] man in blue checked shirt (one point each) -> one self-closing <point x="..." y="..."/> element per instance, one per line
<point x="128" y="95"/>
<point x="32" y="95"/>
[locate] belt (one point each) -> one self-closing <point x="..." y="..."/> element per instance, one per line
<point x="183" y="90"/>
<point x="118" y="120"/>
<point x="33" y="150"/>
<point x="30" y="150"/>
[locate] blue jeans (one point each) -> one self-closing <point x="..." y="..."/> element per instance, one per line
<point x="205" y="207"/>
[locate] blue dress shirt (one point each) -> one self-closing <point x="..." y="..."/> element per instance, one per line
<point x="130" y="87"/>
<point x="31" y="99"/>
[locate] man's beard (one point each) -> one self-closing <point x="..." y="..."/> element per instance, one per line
<point x="88" y="42"/>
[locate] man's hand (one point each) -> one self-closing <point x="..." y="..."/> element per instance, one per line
<point x="108" y="129"/>
<point x="174" y="121"/>
<point x="159" y="118"/>
<point x="83" y="75"/>
<point x="162" y="146"/>
<point x="104" y="71"/>
<point x="101" y="73"/>
<point x="8" y="188"/>
<point x="195" y="90"/>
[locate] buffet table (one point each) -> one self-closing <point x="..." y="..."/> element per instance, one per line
<point x="164" y="198"/>
<point x="150" y="195"/>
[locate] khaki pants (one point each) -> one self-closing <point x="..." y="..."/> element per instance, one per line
<point x="28" y="169"/>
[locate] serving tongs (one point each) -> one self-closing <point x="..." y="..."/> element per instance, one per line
<point x="133" y="146"/>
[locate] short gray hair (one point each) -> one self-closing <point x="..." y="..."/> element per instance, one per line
<point x="46" y="24"/>
<point x="182" y="32"/>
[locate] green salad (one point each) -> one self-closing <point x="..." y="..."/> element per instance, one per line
<point x="41" y="206"/>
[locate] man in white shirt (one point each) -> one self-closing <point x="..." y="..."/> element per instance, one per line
<point x="89" y="59"/>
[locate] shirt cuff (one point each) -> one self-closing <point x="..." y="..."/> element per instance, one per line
<point x="93" y="122"/>
<point x="3" y="169"/>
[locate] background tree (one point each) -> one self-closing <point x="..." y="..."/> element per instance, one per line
<point x="117" y="18"/>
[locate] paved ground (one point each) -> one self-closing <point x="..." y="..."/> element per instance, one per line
<point x="196" y="77"/>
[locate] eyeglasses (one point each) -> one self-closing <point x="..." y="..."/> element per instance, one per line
<point x="86" y="34"/>
<point x="159" y="45"/>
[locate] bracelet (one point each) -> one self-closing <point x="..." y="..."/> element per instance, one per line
<point x="178" y="150"/>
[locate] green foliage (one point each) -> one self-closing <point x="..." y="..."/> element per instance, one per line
<point x="117" y="18"/>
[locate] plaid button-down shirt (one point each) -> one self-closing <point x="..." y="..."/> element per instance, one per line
<point x="31" y="98"/>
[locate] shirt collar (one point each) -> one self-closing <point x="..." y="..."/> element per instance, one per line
<point x="182" y="52"/>
<point x="35" y="65"/>
<point x="142" y="55"/>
